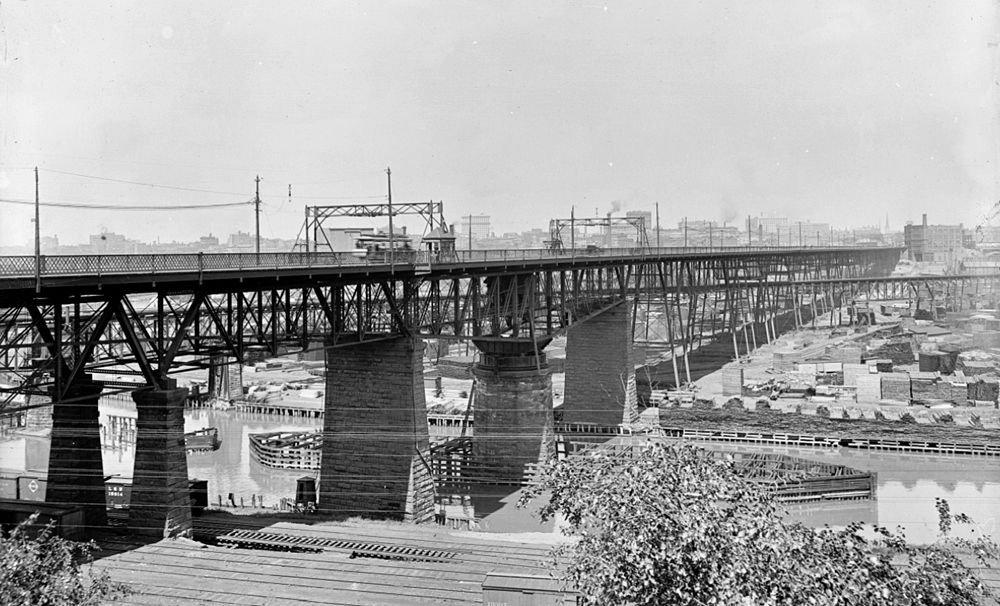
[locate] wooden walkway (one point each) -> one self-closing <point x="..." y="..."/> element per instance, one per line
<point x="350" y="570"/>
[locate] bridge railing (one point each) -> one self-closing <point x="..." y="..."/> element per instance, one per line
<point x="71" y="265"/>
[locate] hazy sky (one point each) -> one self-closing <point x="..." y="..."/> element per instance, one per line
<point x="839" y="112"/>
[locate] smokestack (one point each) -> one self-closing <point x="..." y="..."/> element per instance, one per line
<point x="607" y="234"/>
<point x="925" y="219"/>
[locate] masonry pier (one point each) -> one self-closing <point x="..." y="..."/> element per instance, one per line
<point x="76" y="470"/>
<point x="161" y="499"/>
<point x="376" y="451"/>
<point x="225" y="379"/>
<point x="600" y="372"/>
<point x="512" y="409"/>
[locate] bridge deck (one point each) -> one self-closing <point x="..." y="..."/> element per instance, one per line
<point x="140" y="273"/>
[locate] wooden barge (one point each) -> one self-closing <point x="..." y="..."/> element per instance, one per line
<point x="782" y="439"/>
<point x="288" y="449"/>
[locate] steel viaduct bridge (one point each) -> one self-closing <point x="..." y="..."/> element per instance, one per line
<point x="65" y="319"/>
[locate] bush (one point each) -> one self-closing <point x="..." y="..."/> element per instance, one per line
<point x="822" y="411"/>
<point x="671" y="524"/>
<point x="46" y="570"/>
<point x="907" y="418"/>
<point x="703" y="404"/>
<point x="762" y="406"/>
<point x="844" y="414"/>
<point x="878" y="415"/>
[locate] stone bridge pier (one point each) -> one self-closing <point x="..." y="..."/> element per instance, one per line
<point x="76" y="470"/>
<point x="512" y="409"/>
<point x="161" y="498"/>
<point x="376" y="450"/>
<point x="600" y="373"/>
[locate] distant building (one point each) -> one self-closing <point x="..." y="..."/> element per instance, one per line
<point x="984" y="237"/>
<point x="477" y="225"/>
<point x="767" y="224"/>
<point x="934" y="243"/>
<point x="242" y="240"/>
<point x="110" y="243"/>
<point x="49" y="244"/>
<point x="646" y="216"/>
<point x="208" y="241"/>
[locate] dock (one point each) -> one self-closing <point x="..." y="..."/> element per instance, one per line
<point x="282" y="408"/>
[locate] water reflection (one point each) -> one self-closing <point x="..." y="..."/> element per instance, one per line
<point x="907" y="487"/>
<point x="907" y="483"/>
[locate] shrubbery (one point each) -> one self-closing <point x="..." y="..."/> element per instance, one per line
<point x="46" y="570"/>
<point x="673" y="525"/>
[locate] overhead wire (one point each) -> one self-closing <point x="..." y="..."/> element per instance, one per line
<point x="174" y="187"/>
<point x="121" y="207"/>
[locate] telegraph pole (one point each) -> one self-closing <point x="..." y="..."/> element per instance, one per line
<point x="392" y="237"/>
<point x="470" y="233"/>
<point x="256" y="204"/>
<point x="38" y="240"/>
<point x="657" y="225"/>
<point x="572" y="228"/>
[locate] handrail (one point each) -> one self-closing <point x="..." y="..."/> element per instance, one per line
<point x="202" y="263"/>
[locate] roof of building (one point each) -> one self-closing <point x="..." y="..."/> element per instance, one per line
<point x="360" y="563"/>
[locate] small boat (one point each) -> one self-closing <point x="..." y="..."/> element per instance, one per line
<point x="202" y="440"/>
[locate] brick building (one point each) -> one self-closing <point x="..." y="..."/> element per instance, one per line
<point x="934" y="243"/>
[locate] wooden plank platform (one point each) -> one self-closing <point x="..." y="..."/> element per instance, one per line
<point x="351" y="568"/>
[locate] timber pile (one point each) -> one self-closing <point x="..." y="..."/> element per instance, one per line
<point x="986" y="339"/>
<point x="732" y="382"/>
<point x="852" y="372"/>
<point x="938" y="361"/>
<point x="929" y="386"/>
<point x="897" y="349"/>
<point x="847" y="355"/>
<point x="977" y="367"/>
<point x="869" y="388"/>
<point x="983" y="389"/>
<point x="895" y="386"/>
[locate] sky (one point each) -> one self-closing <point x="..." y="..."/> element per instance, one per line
<point x="849" y="113"/>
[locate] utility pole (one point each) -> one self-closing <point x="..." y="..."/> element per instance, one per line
<point x="470" y="232"/>
<point x="657" y="225"/>
<point x="256" y="204"/>
<point x="685" y="232"/>
<point x="307" y="228"/>
<point x="392" y="237"/>
<point x="572" y="228"/>
<point x="38" y="240"/>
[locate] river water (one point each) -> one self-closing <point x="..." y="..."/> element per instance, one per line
<point x="907" y="483"/>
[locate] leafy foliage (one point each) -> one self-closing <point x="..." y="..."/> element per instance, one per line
<point x="668" y="524"/>
<point x="45" y="570"/>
